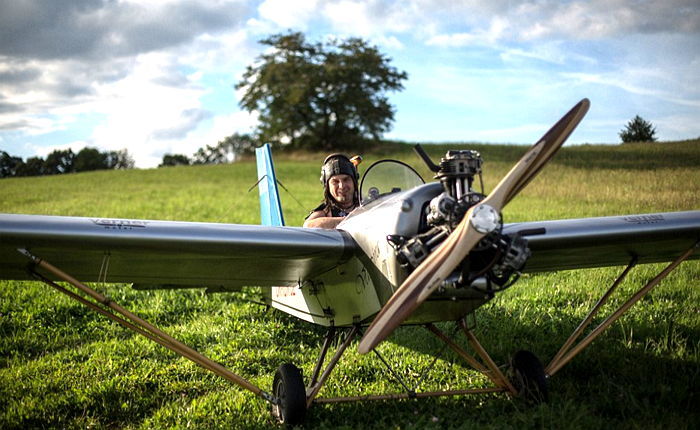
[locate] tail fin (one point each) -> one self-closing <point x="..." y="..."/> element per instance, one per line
<point x="270" y="207"/>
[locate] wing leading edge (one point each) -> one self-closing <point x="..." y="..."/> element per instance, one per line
<point x="608" y="241"/>
<point x="172" y="254"/>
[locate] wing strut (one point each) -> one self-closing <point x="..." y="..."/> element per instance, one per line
<point x="491" y="370"/>
<point x="566" y="353"/>
<point x="112" y="310"/>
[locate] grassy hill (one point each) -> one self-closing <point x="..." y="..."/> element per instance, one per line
<point x="664" y="177"/>
<point x="63" y="366"/>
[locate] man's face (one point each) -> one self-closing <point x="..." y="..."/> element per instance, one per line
<point x="342" y="188"/>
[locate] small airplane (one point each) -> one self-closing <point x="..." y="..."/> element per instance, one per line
<point x="412" y="253"/>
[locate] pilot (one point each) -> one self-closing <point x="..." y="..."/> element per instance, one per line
<point x="340" y="194"/>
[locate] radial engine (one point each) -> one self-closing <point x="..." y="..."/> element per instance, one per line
<point x="495" y="263"/>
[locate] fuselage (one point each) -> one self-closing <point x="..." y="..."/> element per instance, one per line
<point x="356" y="290"/>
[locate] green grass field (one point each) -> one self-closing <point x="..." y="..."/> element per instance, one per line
<point x="63" y="366"/>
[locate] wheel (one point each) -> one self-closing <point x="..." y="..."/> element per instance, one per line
<point x="528" y="377"/>
<point x="288" y="388"/>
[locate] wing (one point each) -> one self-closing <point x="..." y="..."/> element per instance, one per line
<point x="170" y="254"/>
<point x="608" y="241"/>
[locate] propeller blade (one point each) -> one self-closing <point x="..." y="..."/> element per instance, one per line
<point x="480" y="220"/>
<point x="554" y="139"/>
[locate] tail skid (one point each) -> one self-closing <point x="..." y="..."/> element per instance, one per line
<point x="270" y="207"/>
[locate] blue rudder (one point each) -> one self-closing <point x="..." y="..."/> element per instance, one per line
<point x="270" y="206"/>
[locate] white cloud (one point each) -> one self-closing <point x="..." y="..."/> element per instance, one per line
<point x="350" y="17"/>
<point x="497" y="30"/>
<point x="288" y="13"/>
<point x="494" y="63"/>
<point x="139" y="105"/>
<point x="151" y="119"/>
<point x="638" y="82"/>
<point x="220" y="53"/>
<point x="486" y="22"/>
<point x="390" y="42"/>
<point x="222" y="126"/>
<point x="374" y="19"/>
<point x="556" y="53"/>
<point x="148" y="104"/>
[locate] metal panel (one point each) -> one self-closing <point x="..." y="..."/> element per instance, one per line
<point x="608" y="241"/>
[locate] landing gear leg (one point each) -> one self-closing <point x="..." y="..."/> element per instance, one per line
<point x="292" y="398"/>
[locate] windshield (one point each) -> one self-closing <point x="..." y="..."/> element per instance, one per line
<point x="387" y="177"/>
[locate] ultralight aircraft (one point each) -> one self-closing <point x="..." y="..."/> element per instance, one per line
<point x="413" y="253"/>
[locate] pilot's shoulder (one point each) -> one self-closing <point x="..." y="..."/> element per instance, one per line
<point x="322" y="208"/>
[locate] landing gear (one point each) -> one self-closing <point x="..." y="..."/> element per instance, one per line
<point x="288" y="389"/>
<point x="528" y="377"/>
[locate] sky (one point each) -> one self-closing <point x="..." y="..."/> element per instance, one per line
<point x="159" y="76"/>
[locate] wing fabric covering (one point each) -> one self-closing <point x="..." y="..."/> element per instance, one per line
<point x="608" y="241"/>
<point x="170" y="254"/>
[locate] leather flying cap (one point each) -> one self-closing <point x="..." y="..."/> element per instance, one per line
<point x="337" y="164"/>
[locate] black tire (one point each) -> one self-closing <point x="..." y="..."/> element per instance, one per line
<point x="288" y="388"/>
<point x="528" y="377"/>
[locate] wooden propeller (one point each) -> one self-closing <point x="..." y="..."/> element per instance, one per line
<point x="480" y="220"/>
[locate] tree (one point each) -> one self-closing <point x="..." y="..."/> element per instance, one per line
<point x="119" y="159"/>
<point x="226" y="150"/>
<point x="174" y="160"/>
<point x="34" y="166"/>
<point x="318" y="95"/>
<point x="9" y="164"/>
<point x="64" y="161"/>
<point x="59" y="161"/>
<point x="89" y="159"/>
<point x="638" y="130"/>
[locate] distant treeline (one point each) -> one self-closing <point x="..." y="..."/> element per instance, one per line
<point x="225" y="151"/>
<point x="64" y="161"/>
<point x="87" y="159"/>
